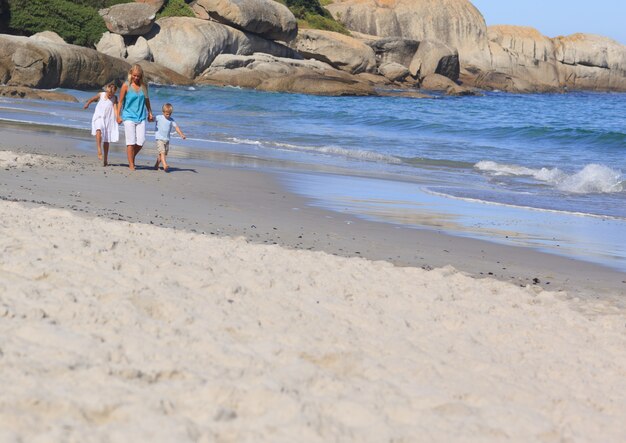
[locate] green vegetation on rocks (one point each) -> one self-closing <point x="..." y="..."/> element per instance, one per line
<point x="311" y="14"/>
<point x="176" y="8"/>
<point x="77" y="22"/>
<point x="99" y="4"/>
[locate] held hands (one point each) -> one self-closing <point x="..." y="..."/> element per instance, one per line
<point x="150" y="117"/>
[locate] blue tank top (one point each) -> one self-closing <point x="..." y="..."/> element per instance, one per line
<point x="134" y="106"/>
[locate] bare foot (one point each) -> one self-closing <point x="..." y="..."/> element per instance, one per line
<point x="105" y="163"/>
<point x="166" y="168"/>
<point x="156" y="166"/>
<point x="99" y="155"/>
<point x="131" y="167"/>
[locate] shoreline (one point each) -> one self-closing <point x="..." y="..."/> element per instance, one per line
<point x="229" y="200"/>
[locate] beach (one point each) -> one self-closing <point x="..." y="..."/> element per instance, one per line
<point x="211" y="304"/>
<point x="235" y="196"/>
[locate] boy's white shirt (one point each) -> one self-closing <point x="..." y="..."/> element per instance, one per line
<point x="161" y="133"/>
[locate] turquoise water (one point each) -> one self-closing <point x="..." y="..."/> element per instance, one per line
<point x="561" y="153"/>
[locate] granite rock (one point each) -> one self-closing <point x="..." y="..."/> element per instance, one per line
<point x="266" y="18"/>
<point x="129" y="18"/>
<point x="338" y="50"/>
<point x="189" y="45"/>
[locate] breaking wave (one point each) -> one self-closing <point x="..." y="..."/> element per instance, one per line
<point x="592" y="179"/>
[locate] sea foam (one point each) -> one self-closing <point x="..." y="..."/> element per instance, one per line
<point x="358" y="154"/>
<point x="593" y="178"/>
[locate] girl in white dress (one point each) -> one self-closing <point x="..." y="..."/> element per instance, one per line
<point x="103" y="124"/>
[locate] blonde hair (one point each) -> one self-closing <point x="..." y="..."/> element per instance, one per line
<point x="142" y="82"/>
<point x="167" y="107"/>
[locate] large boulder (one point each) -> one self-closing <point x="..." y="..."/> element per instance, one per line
<point x="393" y="50"/>
<point x="112" y="44"/>
<point x="268" y="73"/>
<point x="524" y="60"/>
<point x="440" y="83"/>
<point x="266" y="18"/>
<point x="48" y="36"/>
<point x="394" y="72"/>
<point x="338" y="50"/>
<point x="129" y="18"/>
<point x="500" y="81"/>
<point x="591" y="62"/>
<point x="189" y="45"/>
<point x="138" y="50"/>
<point x="35" y="94"/>
<point x="457" y="23"/>
<point x="524" y="53"/>
<point x="434" y="57"/>
<point x="156" y="73"/>
<point x="37" y="64"/>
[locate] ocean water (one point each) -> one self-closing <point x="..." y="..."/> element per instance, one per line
<point x="538" y="170"/>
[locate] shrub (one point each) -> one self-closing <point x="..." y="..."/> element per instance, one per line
<point x="301" y="8"/>
<point x="176" y="8"/>
<point x="99" y="4"/>
<point x="318" y="22"/>
<point x="75" y="23"/>
<point x="311" y="14"/>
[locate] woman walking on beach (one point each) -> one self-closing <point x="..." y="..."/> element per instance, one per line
<point x="134" y="110"/>
<point x="103" y="123"/>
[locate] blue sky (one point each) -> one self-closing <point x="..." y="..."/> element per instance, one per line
<point x="559" y="17"/>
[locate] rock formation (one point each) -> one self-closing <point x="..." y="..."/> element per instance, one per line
<point x="524" y="60"/>
<point x="138" y="51"/>
<point x="268" y="73"/>
<point x="433" y="57"/>
<point x="394" y="42"/>
<point x="48" y="36"/>
<point x="393" y="50"/>
<point x="35" y="94"/>
<point x="129" y="18"/>
<point x="42" y="64"/>
<point x="457" y="23"/>
<point x="393" y="71"/>
<point x="266" y="18"/>
<point x="591" y="62"/>
<point x="112" y="44"/>
<point x="454" y="41"/>
<point x="440" y="83"/>
<point x="189" y="45"/>
<point x="162" y="75"/>
<point x="338" y="50"/>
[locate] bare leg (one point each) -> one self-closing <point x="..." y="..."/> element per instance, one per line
<point x="162" y="157"/>
<point x="136" y="149"/>
<point x="130" y="153"/>
<point x="105" y="145"/>
<point x="158" y="161"/>
<point x="99" y="143"/>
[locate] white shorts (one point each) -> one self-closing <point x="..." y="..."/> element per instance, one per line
<point x="135" y="132"/>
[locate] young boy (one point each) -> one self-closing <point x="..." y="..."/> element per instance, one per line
<point x="164" y="125"/>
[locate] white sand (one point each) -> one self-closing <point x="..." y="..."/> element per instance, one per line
<point x="119" y="332"/>
<point x="13" y="160"/>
